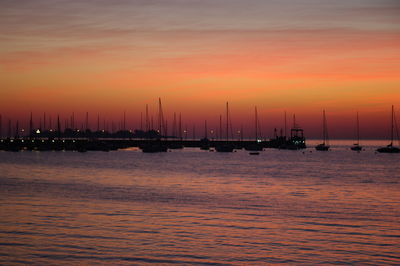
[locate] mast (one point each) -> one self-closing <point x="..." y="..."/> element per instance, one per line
<point x="147" y="118"/>
<point x="256" y="121"/>
<point x="323" y="127"/>
<point x="1" y="127"/>
<point x="44" y="121"/>
<point x="17" y="130"/>
<point x="392" y="127"/>
<point x="180" y="126"/>
<point x="124" y="124"/>
<point x="87" y="121"/>
<point x="358" y="130"/>
<point x="220" y="127"/>
<point x="285" y="126"/>
<point x="227" y="121"/>
<point x="58" y="126"/>
<point x="174" y="126"/>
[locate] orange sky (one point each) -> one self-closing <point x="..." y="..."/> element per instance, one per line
<point x="300" y="57"/>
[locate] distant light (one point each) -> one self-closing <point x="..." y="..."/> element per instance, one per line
<point x="52" y="140"/>
<point x="51" y="130"/>
<point x="11" y="140"/>
<point x="258" y="140"/>
<point x="22" y="130"/>
<point x="42" y="140"/>
<point x="77" y="130"/>
<point x="22" y="140"/>
<point x="33" y="141"/>
<point x="37" y="131"/>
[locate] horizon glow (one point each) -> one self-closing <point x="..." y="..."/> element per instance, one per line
<point x="106" y="58"/>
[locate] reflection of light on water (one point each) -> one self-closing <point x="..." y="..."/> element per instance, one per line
<point x="193" y="207"/>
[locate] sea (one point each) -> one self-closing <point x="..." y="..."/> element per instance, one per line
<point x="195" y="207"/>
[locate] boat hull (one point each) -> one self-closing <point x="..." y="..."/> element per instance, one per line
<point x="322" y="147"/>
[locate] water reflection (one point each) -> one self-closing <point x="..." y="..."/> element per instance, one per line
<point x="197" y="207"/>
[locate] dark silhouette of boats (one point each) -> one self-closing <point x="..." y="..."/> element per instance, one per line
<point x="157" y="145"/>
<point x="205" y="142"/>
<point x="324" y="146"/>
<point x="225" y="147"/>
<point x="256" y="146"/>
<point x="390" y="148"/>
<point x="356" y="146"/>
<point x="154" y="146"/>
<point x="297" y="140"/>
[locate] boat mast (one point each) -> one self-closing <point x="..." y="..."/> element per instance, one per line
<point x="227" y="121"/>
<point x="285" y="126"/>
<point x="323" y="126"/>
<point x="358" y="130"/>
<point x="256" y="120"/>
<point x="220" y="127"/>
<point x="147" y="118"/>
<point x="180" y="126"/>
<point x="392" y="127"/>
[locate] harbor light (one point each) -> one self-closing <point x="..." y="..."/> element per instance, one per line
<point x="37" y="131"/>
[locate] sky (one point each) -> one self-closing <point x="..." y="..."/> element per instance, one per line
<point x="106" y="57"/>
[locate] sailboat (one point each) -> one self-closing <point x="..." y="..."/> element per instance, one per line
<point x="157" y="145"/>
<point x="324" y="146"/>
<point x="390" y="148"/>
<point x="256" y="146"/>
<point x="225" y="147"/>
<point x="356" y="146"/>
<point x="205" y="142"/>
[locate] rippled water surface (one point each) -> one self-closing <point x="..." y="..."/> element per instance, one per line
<point x="196" y="207"/>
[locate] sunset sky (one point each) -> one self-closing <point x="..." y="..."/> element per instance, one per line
<point x="101" y="56"/>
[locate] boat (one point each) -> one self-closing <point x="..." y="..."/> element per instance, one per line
<point x="226" y="147"/>
<point x="324" y="146"/>
<point x="297" y="140"/>
<point x="390" y="148"/>
<point x="254" y="153"/>
<point x="255" y="146"/>
<point x="356" y="146"/>
<point x="157" y="145"/>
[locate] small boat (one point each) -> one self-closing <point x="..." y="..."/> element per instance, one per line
<point x="324" y="146"/>
<point x="356" y="146"/>
<point x="390" y="148"/>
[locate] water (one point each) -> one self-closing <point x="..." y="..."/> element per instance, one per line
<point x="197" y="207"/>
